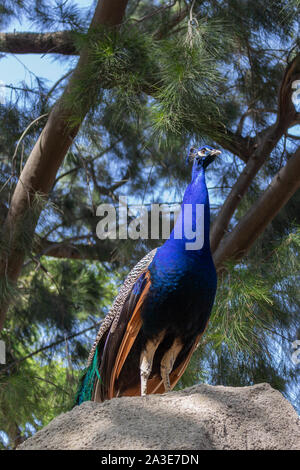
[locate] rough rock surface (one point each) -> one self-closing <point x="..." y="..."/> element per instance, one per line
<point x="197" y="418"/>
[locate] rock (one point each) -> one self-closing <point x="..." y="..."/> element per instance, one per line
<point x="197" y="418"/>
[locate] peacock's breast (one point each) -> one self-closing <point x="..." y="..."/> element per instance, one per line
<point x="181" y="295"/>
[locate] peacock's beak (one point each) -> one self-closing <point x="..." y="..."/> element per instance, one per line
<point x="215" y="152"/>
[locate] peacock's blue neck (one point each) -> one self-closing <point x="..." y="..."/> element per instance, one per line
<point x="193" y="219"/>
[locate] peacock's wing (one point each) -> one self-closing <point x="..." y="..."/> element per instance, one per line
<point x="119" y="341"/>
<point x="121" y="378"/>
<point x="109" y="333"/>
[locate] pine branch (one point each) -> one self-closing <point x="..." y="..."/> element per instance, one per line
<point x="58" y="82"/>
<point x="102" y="252"/>
<point x="108" y="191"/>
<point x="235" y="143"/>
<point x="239" y="241"/>
<point x="79" y="167"/>
<point x="153" y="13"/>
<point x="175" y="20"/>
<point x="286" y="114"/>
<point x="49" y="346"/>
<point x="22" y="137"/>
<point x="59" y="42"/>
<point x="67" y="392"/>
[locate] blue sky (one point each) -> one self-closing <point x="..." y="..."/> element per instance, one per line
<point x="15" y="68"/>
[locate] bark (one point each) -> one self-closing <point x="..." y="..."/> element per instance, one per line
<point x="59" y="42"/>
<point x="285" y="183"/>
<point x="264" y="146"/>
<point x="103" y="251"/>
<point x="46" y="157"/>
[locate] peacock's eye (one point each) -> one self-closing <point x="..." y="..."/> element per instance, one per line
<point x="202" y="152"/>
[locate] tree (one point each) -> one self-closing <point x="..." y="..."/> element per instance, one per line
<point x="151" y="79"/>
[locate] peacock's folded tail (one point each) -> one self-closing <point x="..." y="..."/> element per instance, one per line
<point x="119" y="341"/>
<point x="90" y="378"/>
<point x="87" y="381"/>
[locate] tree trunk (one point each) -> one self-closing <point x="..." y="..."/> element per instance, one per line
<point x="44" y="161"/>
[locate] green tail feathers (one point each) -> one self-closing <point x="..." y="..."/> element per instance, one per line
<point x="87" y="381"/>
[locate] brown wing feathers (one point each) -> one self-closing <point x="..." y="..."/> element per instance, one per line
<point x="112" y="318"/>
<point x="114" y="350"/>
<point x="129" y="337"/>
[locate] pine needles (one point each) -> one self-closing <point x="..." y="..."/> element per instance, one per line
<point x="181" y="74"/>
<point x="254" y="322"/>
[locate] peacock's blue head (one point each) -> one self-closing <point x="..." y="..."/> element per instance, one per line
<point x="202" y="156"/>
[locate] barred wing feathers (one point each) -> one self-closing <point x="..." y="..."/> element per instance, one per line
<point x="90" y="376"/>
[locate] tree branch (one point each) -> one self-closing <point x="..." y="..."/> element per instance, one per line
<point x="102" y="252"/>
<point x="268" y="141"/>
<point x="239" y="241"/>
<point x="59" y="42"/>
<point x="165" y="29"/>
<point x="49" y="346"/>
<point x="104" y="190"/>
<point x="238" y="145"/>
<point x="79" y="167"/>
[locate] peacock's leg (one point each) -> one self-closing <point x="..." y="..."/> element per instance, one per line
<point x="167" y="362"/>
<point x="146" y="360"/>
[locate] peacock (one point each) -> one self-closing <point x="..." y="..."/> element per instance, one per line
<point x="147" y="339"/>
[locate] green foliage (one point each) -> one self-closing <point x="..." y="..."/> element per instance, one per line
<point x="180" y="73"/>
<point x="56" y="301"/>
<point x="115" y="59"/>
<point x="34" y="395"/>
<point x="254" y="322"/>
<point x="234" y="320"/>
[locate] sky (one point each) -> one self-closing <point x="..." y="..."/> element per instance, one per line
<point x="15" y="68"/>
